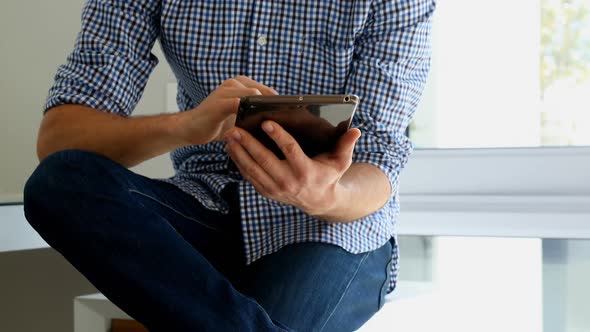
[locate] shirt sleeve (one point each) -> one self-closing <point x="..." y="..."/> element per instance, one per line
<point x="111" y="60"/>
<point x="390" y="65"/>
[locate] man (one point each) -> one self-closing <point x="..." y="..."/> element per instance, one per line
<point x="297" y="244"/>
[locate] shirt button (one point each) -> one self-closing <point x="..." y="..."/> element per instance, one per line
<point x="262" y="40"/>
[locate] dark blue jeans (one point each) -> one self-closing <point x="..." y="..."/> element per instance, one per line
<point x="173" y="265"/>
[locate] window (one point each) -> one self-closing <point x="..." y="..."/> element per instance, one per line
<point x="504" y="232"/>
<point x="507" y="74"/>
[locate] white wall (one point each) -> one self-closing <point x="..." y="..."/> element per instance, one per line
<point x="35" y="38"/>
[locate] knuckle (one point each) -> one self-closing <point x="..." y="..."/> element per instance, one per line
<point x="235" y="103"/>
<point x="254" y="91"/>
<point x="288" y="187"/>
<point x="291" y="190"/>
<point x="283" y="184"/>
<point x="265" y="163"/>
<point x="304" y="177"/>
<point x="251" y="170"/>
<point x="230" y="82"/>
<point x="290" y="148"/>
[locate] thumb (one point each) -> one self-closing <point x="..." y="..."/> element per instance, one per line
<point x="346" y="143"/>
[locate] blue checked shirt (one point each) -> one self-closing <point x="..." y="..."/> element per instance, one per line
<point x="376" y="49"/>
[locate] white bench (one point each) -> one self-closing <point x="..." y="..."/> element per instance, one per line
<point x="94" y="312"/>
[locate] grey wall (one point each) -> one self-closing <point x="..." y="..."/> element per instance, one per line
<point x="35" y="38"/>
<point x="37" y="290"/>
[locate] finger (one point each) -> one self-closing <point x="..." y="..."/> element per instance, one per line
<point x="263" y="157"/>
<point x="255" y="183"/>
<point x="248" y="82"/>
<point x="230" y="100"/>
<point x="247" y="165"/>
<point x="239" y="92"/>
<point x="227" y="124"/>
<point x="345" y="146"/>
<point x="232" y="83"/>
<point x="228" y="106"/>
<point x="288" y="145"/>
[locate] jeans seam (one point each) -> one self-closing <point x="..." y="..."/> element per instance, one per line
<point x="172" y="209"/>
<point x="345" y="290"/>
<point x="385" y="285"/>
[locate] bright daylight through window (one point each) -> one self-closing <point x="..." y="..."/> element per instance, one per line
<point x="507" y="74"/>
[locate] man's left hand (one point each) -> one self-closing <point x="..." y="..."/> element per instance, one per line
<point x="310" y="184"/>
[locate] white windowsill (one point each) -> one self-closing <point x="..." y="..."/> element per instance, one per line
<point x="499" y="172"/>
<point x="564" y="217"/>
<point x="496" y="203"/>
<point x="15" y="232"/>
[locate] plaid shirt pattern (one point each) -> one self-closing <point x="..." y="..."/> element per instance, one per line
<point x="376" y="49"/>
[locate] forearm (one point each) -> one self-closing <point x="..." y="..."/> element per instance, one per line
<point x="362" y="190"/>
<point x="128" y="141"/>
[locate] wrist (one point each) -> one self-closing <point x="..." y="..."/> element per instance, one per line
<point x="335" y="209"/>
<point x="175" y="128"/>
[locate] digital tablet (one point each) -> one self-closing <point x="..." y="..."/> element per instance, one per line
<point x="315" y="121"/>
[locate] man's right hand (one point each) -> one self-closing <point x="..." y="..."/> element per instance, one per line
<point x="217" y="113"/>
<point x="132" y="140"/>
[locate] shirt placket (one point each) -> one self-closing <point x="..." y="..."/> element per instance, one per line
<point x="260" y="39"/>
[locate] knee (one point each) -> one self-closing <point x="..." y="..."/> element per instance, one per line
<point x="53" y="173"/>
<point x="56" y="175"/>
